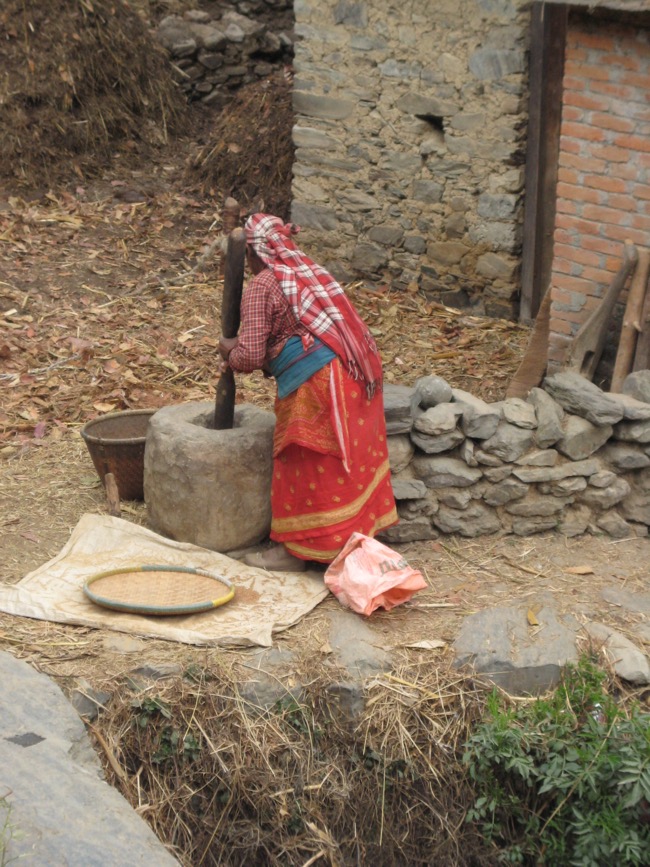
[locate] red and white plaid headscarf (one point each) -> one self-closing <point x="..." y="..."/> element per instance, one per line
<point x="318" y="301"/>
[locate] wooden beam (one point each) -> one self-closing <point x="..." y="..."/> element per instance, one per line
<point x="547" y="46"/>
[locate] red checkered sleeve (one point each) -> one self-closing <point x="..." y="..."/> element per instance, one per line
<point x="267" y="321"/>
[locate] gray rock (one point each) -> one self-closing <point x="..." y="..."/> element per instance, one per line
<point x="498" y="644"/>
<point x="63" y="811"/>
<point x="408" y="510"/>
<point x="605" y="498"/>
<point x="437" y="444"/>
<point x="368" y="258"/>
<point x="209" y="37"/>
<point x="158" y="670"/>
<point x="628" y="661"/>
<point x="575" y="521"/>
<point x="486" y="460"/>
<point x="500" y="206"/>
<point x="633" y="431"/>
<point x="633" y="409"/>
<point x="455" y="498"/>
<point x="444" y="472"/>
<point x="355" y="645"/>
<point x="497" y="474"/>
<point x="582" y="397"/>
<point x="397" y="408"/>
<point x="536" y="505"/>
<point x="508" y="442"/>
<point x="389" y="236"/>
<point x="614" y="525"/>
<point x="479" y="419"/>
<point x="88" y="702"/>
<point x="466" y="453"/>
<point x="519" y="413"/>
<point x="408" y="489"/>
<point x="636" y="506"/>
<point x="428" y="192"/>
<point x="562" y="471"/>
<point x="327" y="107"/>
<point x="438" y="419"/>
<point x="317" y="217"/>
<point x="549" y="418"/>
<point x="491" y="64"/>
<point x="603" y="479"/>
<point x="431" y="391"/>
<point x="476" y="520"/>
<point x="564" y="487"/>
<point x="400" y="452"/>
<point x="582" y="438"/>
<point x="505" y="492"/>
<point x="624" y="457"/>
<point x="538" y="458"/>
<point x="540" y="524"/>
<point x="408" y="530"/>
<point x="209" y="487"/>
<point x="637" y="385"/>
<point x="307" y="137"/>
<point x="637" y="603"/>
<point x="417" y="104"/>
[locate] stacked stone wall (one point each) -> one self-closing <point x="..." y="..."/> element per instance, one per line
<point x="216" y="52"/>
<point x="570" y="458"/>
<point x="410" y="125"/>
<point x="603" y="193"/>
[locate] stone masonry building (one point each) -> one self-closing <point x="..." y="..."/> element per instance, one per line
<point x="481" y="150"/>
<point x="410" y="137"/>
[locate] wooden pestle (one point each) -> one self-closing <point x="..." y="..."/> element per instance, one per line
<point x="233" y="283"/>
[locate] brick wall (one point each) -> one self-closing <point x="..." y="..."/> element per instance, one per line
<point x="603" y="192"/>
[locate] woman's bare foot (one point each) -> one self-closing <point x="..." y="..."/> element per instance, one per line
<point x="276" y="559"/>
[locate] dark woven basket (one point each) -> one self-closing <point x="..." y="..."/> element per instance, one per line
<point x="116" y="445"/>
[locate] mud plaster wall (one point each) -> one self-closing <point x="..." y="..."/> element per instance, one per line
<point x="570" y="458"/>
<point x="410" y="127"/>
<point x="603" y="193"/>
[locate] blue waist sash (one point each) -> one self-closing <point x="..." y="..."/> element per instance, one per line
<point x="294" y="365"/>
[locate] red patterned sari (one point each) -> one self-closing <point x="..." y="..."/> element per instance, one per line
<point x="331" y="475"/>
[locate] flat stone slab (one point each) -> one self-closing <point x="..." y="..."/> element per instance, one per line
<point x="500" y="644"/>
<point x="61" y="810"/>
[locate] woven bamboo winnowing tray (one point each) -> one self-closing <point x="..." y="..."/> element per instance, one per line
<point x="159" y="590"/>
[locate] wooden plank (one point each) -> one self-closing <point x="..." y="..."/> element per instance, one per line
<point x="588" y="344"/>
<point x="631" y="321"/>
<point x="547" y="46"/>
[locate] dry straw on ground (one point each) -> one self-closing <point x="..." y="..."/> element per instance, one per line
<point x="225" y="782"/>
<point x="80" y="78"/>
<point x="250" y="153"/>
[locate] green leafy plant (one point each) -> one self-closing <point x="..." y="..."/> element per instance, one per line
<point x="563" y="780"/>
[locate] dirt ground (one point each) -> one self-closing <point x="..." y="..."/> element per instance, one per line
<point x="89" y="327"/>
<point x="94" y="318"/>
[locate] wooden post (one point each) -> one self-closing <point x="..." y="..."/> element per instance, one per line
<point x="233" y="282"/>
<point x="112" y="495"/>
<point x="631" y="321"/>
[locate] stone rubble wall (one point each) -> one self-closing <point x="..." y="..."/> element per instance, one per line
<point x="570" y="458"/>
<point x="410" y="135"/>
<point x="214" y="53"/>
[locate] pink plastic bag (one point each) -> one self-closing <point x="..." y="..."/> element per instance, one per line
<point x="367" y="575"/>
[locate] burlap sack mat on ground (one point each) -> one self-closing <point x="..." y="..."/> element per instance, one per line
<point x="264" y="603"/>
